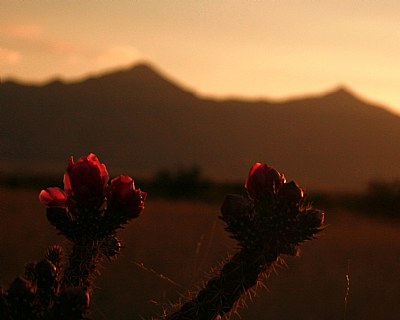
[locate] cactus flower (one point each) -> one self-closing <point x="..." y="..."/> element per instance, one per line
<point x="263" y="179"/>
<point x="122" y="195"/>
<point x="290" y="193"/>
<point x="86" y="179"/>
<point x="53" y="197"/>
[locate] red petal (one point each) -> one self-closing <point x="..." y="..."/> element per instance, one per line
<point x="53" y="197"/>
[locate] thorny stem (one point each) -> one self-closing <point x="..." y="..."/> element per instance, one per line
<point x="83" y="262"/>
<point x="222" y="292"/>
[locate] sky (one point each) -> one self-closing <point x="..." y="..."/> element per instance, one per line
<point x="219" y="48"/>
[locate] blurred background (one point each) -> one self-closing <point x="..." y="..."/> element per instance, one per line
<point x="185" y="96"/>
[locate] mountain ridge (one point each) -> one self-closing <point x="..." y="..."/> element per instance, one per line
<point x="146" y="70"/>
<point x="138" y="120"/>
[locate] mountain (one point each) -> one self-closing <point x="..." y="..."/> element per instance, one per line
<point x="139" y="121"/>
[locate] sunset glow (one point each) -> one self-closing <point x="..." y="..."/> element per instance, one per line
<point x="270" y="49"/>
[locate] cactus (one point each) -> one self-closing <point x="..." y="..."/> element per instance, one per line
<point x="88" y="212"/>
<point x="272" y="220"/>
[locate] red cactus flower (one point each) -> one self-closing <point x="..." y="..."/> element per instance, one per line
<point x="53" y="197"/>
<point x="263" y="179"/>
<point x="123" y="196"/>
<point x="290" y="193"/>
<point x="86" y="179"/>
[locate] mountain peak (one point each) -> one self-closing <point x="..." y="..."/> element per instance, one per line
<point x="140" y="70"/>
<point x="342" y="95"/>
<point x="144" y="69"/>
<point x="341" y="92"/>
<point x="143" y="75"/>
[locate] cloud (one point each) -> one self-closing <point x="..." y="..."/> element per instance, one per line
<point x="21" y="31"/>
<point x="8" y="56"/>
<point x="50" y="55"/>
<point x="34" y="39"/>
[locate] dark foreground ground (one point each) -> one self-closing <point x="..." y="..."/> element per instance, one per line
<point x="172" y="247"/>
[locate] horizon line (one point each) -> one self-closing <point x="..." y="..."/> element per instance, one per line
<point x="340" y="86"/>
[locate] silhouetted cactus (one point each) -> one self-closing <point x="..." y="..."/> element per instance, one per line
<point x="272" y="220"/>
<point x="88" y="212"/>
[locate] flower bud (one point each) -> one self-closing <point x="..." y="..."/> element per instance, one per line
<point x="53" y="197"/>
<point x="45" y="273"/>
<point x="86" y="180"/>
<point x="290" y="193"/>
<point x="121" y="187"/>
<point x="319" y="217"/>
<point x="123" y="196"/>
<point x="234" y="206"/>
<point x="21" y="290"/>
<point x="111" y="247"/>
<point x="60" y="219"/>
<point x="263" y="179"/>
<point x="55" y="254"/>
<point x="316" y="218"/>
<point x="29" y="272"/>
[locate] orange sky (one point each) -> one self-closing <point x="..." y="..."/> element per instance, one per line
<point x="272" y="49"/>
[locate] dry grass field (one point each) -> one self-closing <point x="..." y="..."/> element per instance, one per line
<point x="171" y="248"/>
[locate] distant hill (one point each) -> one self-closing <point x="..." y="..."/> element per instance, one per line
<point x="139" y="121"/>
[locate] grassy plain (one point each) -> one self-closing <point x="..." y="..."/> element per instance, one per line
<point x="173" y="246"/>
